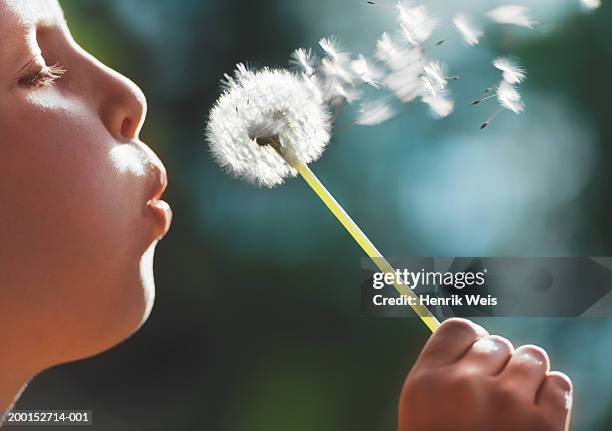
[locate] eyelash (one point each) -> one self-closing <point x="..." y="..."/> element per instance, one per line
<point x="45" y="76"/>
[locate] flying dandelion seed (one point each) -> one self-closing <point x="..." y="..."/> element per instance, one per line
<point x="440" y="105"/>
<point x="512" y="14"/>
<point x="337" y="81"/>
<point x="343" y="93"/>
<point x="435" y="93"/>
<point x="509" y="97"/>
<point x="416" y="23"/>
<point x="406" y="66"/>
<point x="304" y="61"/>
<point x="332" y="49"/>
<point x="405" y="84"/>
<point x="336" y="70"/>
<point x="470" y="33"/>
<point x="368" y="73"/>
<point x="434" y="72"/>
<point x="591" y="4"/>
<point x="373" y="113"/>
<point x="395" y="56"/>
<point x="282" y="112"/>
<point x="512" y="72"/>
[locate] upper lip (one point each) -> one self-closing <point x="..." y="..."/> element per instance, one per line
<point x="161" y="182"/>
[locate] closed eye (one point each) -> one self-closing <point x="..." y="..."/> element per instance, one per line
<point x="44" y="76"/>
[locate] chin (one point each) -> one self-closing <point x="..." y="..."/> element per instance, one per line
<point x="111" y="319"/>
<point x="148" y="283"/>
<point x="139" y="297"/>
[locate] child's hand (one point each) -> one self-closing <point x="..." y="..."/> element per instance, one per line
<point x="468" y="380"/>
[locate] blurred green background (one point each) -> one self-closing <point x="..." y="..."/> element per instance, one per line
<point x="257" y="324"/>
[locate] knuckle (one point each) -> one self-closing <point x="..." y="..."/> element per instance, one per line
<point x="506" y="394"/>
<point x="466" y="380"/>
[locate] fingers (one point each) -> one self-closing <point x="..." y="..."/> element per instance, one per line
<point x="526" y="369"/>
<point x="450" y="342"/>
<point x="556" y="391"/>
<point x="488" y="355"/>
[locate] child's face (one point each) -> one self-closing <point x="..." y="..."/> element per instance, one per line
<point x="79" y="215"/>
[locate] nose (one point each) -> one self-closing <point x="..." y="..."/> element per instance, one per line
<point x="122" y="105"/>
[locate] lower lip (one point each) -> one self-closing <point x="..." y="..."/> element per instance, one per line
<point x="163" y="214"/>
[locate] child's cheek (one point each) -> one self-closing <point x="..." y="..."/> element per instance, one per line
<point x="61" y="161"/>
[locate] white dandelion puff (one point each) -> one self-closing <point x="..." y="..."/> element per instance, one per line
<point x="395" y="56"/>
<point x="434" y="91"/>
<point x="335" y="70"/>
<point x="439" y="104"/>
<point x="337" y="79"/>
<point x="367" y="72"/>
<point x="509" y="97"/>
<point x="433" y="72"/>
<point x="340" y="93"/>
<point x="405" y="83"/>
<point x="471" y="34"/>
<point x="512" y="14"/>
<point x="512" y="72"/>
<point x="336" y="84"/>
<point x="373" y="113"/>
<point x="406" y="66"/>
<point x="416" y="23"/>
<point x="261" y="112"/>
<point x="333" y="50"/>
<point x="304" y="60"/>
<point x="591" y="4"/>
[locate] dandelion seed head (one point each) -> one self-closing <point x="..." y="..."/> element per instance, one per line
<point x="512" y="14"/>
<point x="373" y="113"/>
<point x="471" y="34"/>
<point x="512" y="72"/>
<point x="259" y="110"/>
<point x="416" y="23"/>
<point x="509" y="97"/>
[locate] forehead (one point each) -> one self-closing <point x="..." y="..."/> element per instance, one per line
<point x="19" y="18"/>
<point x="25" y="14"/>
